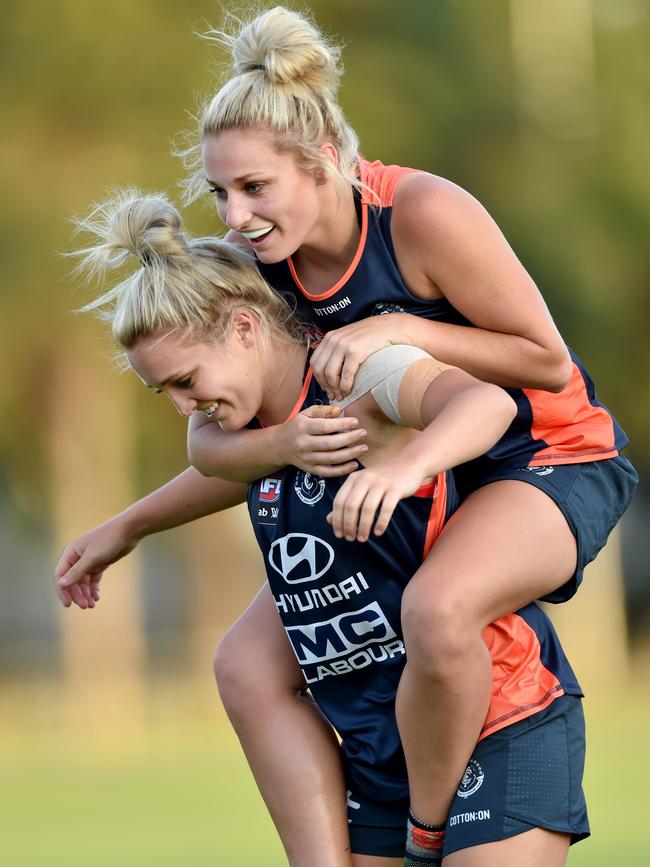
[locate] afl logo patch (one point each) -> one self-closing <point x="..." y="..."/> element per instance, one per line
<point x="310" y="489"/>
<point x="472" y="780"/>
<point x="270" y="489"/>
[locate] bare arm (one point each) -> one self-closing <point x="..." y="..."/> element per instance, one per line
<point x="447" y="245"/>
<point x="464" y="254"/>
<point x="239" y="456"/>
<point x="185" y="498"/>
<point x="460" y="418"/>
<point x="318" y="440"/>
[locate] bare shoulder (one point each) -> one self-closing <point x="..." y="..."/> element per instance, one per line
<point x="447" y="233"/>
<point x="425" y="202"/>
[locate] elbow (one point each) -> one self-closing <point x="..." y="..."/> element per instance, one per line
<point x="197" y="458"/>
<point x="199" y="465"/>
<point x="198" y="448"/>
<point x="559" y="372"/>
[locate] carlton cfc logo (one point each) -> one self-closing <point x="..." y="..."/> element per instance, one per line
<point x="310" y="489"/>
<point x="270" y="490"/>
<point x="472" y="780"/>
<point x="300" y="557"/>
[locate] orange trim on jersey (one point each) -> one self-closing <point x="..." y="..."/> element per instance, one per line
<point x="427" y="489"/>
<point x="438" y="509"/>
<point x="521" y="684"/>
<point x="383" y="181"/>
<point x="303" y="395"/>
<point x="350" y="270"/>
<point x="575" y="431"/>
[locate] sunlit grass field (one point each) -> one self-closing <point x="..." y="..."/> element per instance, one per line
<point x="176" y="791"/>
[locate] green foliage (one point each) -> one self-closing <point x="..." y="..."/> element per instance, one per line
<point x="92" y="94"/>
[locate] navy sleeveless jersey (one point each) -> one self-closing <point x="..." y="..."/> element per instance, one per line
<point x="570" y="427"/>
<point x="340" y="604"/>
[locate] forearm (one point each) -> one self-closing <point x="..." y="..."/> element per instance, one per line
<point x="469" y="424"/>
<point x="185" y="498"/>
<point x="508" y="360"/>
<point x="240" y="456"/>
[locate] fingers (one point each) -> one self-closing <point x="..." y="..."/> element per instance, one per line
<point x="363" y="500"/>
<point x="321" y="410"/>
<point x="79" y="585"/>
<point x="83" y="595"/>
<point x="81" y="570"/>
<point x="332" y="472"/>
<point x="63" y="595"/>
<point x="95" y="578"/>
<point x="349" y="370"/>
<point x="66" y="562"/>
<point x="347" y="507"/>
<point x="335" y="364"/>
<point x="388" y="505"/>
<point x="67" y="559"/>
<point x="336" y="463"/>
<point x="78" y="596"/>
<point x="358" y="517"/>
<point x="326" y="443"/>
<point x="336" y="443"/>
<point x="323" y="419"/>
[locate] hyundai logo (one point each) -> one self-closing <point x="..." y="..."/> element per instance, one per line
<point x="299" y="557"/>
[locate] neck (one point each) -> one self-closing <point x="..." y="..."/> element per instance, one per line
<point x="335" y="237"/>
<point x="285" y="363"/>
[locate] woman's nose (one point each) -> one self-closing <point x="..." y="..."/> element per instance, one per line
<point x="184" y="405"/>
<point x="238" y="214"/>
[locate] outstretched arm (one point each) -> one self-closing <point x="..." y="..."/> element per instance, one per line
<point x="459" y="417"/>
<point x="185" y="498"/>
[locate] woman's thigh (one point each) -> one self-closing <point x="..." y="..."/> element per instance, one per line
<point x="507" y="545"/>
<point x="535" y="848"/>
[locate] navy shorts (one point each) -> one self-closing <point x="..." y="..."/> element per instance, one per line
<point x="592" y="497"/>
<point x="528" y="775"/>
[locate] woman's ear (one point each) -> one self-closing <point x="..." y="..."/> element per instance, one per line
<point x="332" y="156"/>
<point x="244" y="326"/>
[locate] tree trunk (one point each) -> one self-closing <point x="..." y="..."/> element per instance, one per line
<point x="91" y="440"/>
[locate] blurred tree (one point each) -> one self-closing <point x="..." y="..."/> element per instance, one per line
<point x="91" y="443"/>
<point x="92" y="94"/>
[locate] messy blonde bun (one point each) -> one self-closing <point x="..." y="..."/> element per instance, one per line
<point x="195" y="285"/>
<point x="285" y="76"/>
<point x="286" y="48"/>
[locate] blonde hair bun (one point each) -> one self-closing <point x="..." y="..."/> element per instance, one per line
<point x="285" y="79"/>
<point x="287" y="48"/>
<point x="184" y="283"/>
<point x="131" y="224"/>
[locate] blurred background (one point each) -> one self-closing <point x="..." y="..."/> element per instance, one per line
<point x="114" y="744"/>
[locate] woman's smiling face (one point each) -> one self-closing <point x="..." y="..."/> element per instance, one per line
<point x="225" y="377"/>
<point x="260" y="192"/>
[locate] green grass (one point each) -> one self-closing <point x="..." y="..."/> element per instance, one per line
<point x="179" y="799"/>
<point x="617" y="783"/>
<point x="180" y="794"/>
